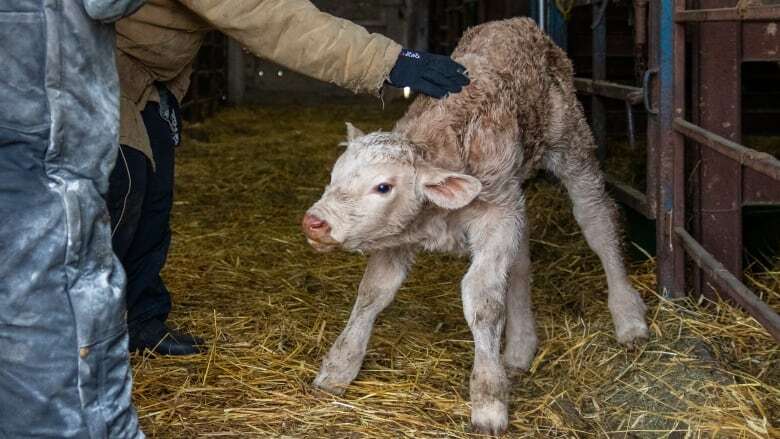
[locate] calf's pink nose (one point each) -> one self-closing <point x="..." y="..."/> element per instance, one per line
<point x="315" y="227"/>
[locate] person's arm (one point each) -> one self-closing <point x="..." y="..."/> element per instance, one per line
<point x="297" y="35"/>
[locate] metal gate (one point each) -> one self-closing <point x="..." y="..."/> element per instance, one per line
<point x="694" y="152"/>
<point x="691" y="152"/>
<point x="699" y="149"/>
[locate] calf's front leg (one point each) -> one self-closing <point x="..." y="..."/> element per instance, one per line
<point x="385" y="272"/>
<point x="493" y="238"/>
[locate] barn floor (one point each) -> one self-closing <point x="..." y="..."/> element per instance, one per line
<point x="269" y="307"/>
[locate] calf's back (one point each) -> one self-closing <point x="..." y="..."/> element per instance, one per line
<point x="521" y="102"/>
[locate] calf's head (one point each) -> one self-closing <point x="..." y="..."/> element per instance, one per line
<point x="379" y="186"/>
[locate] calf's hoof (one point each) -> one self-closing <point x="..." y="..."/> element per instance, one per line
<point x="489" y="417"/>
<point x="632" y="333"/>
<point x="628" y="312"/>
<point x="330" y="384"/>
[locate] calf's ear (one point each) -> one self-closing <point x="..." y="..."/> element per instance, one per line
<point x="353" y="132"/>
<point x="448" y="190"/>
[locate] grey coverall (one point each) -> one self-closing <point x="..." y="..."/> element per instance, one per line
<point x="64" y="368"/>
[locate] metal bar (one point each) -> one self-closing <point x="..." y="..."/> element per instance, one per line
<point x="669" y="208"/>
<point x="730" y="285"/>
<point x="651" y="90"/>
<point x="756" y="160"/>
<point x="607" y="89"/>
<point x="236" y="75"/>
<point x="419" y="28"/>
<point x="538" y="11"/>
<point x="717" y="219"/>
<point x="758" y="13"/>
<point x="678" y="145"/>
<point x="640" y="38"/>
<point x="599" y="64"/>
<point x="599" y="17"/>
<point x="630" y="120"/>
<point x="556" y="27"/>
<point x="646" y="90"/>
<point x="629" y="196"/>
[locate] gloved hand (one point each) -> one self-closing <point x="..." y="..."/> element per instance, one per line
<point x="433" y="75"/>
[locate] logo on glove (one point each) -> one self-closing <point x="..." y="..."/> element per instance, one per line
<point x="410" y="54"/>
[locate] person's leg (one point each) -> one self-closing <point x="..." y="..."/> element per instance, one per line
<point x="147" y="295"/>
<point x="64" y="367"/>
<point x="127" y="189"/>
<point x="35" y="318"/>
<point x="143" y="237"/>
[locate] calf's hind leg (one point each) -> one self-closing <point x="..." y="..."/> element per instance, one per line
<point x="521" y="339"/>
<point x="596" y="215"/>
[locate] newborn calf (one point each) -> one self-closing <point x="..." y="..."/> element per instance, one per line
<point x="449" y="178"/>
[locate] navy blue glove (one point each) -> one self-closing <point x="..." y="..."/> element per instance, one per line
<point x="433" y="75"/>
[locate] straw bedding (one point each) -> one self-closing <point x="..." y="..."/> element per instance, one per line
<point x="269" y="307"/>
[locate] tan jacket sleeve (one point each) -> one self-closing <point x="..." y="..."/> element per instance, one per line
<point x="297" y="35"/>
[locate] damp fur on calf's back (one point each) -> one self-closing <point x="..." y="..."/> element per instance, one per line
<point x="522" y="84"/>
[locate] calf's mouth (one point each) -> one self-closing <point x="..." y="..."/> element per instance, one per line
<point x="323" y="245"/>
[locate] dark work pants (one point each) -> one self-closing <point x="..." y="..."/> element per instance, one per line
<point x="140" y="198"/>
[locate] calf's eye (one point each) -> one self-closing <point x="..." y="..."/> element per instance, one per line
<point x="384" y="188"/>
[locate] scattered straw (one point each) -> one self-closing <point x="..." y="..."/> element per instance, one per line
<point x="243" y="277"/>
